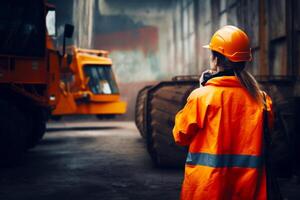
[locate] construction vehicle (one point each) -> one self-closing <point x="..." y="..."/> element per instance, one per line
<point x="88" y="86"/>
<point x="29" y="74"/>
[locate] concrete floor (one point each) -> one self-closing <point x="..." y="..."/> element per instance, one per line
<point x="94" y="160"/>
<point x="89" y="161"/>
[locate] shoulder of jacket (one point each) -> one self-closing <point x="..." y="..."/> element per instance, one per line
<point x="199" y="92"/>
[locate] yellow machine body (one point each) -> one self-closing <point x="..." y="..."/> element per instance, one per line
<point x="88" y="86"/>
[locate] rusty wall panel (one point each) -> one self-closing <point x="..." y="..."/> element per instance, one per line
<point x="222" y="13"/>
<point x="185" y="22"/>
<point x="205" y="28"/>
<point x="206" y="15"/>
<point x="215" y="10"/>
<point x="277" y="18"/>
<point x="280" y="64"/>
<point x="297" y="14"/>
<point x="178" y="38"/>
<point x="204" y="37"/>
<point x="254" y="65"/>
<point x="209" y="22"/>
<point x="229" y="3"/>
<point x="228" y="13"/>
<point x="241" y="14"/>
<point x="232" y="16"/>
<point x="278" y="58"/>
<point x="189" y="38"/>
<point x="186" y="49"/>
<point x="251" y="9"/>
<point x="191" y="16"/>
<point x="185" y="56"/>
<point x="175" y="33"/>
<point x="177" y="19"/>
<point x="296" y="56"/>
<point x="223" y="19"/>
<point x="223" y="5"/>
<point x="191" y="56"/>
<point x="263" y="38"/>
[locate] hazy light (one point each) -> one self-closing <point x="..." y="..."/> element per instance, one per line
<point x="50" y="22"/>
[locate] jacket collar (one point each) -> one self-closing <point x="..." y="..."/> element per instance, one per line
<point x="224" y="81"/>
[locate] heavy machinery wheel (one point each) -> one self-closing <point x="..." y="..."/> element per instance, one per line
<point x="161" y="103"/>
<point x="164" y="104"/>
<point x="38" y="116"/>
<point x="13" y="133"/>
<point x="140" y="110"/>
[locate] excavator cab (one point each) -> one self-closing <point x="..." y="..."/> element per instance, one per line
<point x="101" y="79"/>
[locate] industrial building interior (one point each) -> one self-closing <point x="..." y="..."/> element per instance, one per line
<point x="68" y="133"/>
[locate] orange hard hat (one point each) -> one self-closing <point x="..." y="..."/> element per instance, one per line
<point x="231" y="42"/>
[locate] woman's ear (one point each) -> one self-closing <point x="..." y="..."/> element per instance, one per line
<point x="216" y="61"/>
<point x="213" y="63"/>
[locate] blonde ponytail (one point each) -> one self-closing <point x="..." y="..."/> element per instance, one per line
<point x="245" y="78"/>
<point x="249" y="82"/>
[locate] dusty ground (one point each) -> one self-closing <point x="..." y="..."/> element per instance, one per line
<point x="104" y="161"/>
<point x="94" y="160"/>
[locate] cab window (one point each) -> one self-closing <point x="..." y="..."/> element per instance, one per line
<point x="101" y="79"/>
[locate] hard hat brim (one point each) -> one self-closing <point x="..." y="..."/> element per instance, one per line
<point x="206" y="46"/>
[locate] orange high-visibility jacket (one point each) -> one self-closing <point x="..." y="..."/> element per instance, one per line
<point x="223" y="127"/>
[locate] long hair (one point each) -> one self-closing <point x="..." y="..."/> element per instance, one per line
<point x="245" y="78"/>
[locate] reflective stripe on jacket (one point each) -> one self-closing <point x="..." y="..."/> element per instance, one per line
<point x="222" y="125"/>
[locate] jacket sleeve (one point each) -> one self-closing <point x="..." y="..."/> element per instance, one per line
<point x="188" y="121"/>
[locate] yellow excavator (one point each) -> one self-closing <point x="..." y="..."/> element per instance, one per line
<point x="88" y="86"/>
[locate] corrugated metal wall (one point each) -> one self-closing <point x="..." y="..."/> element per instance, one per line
<point x="273" y="26"/>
